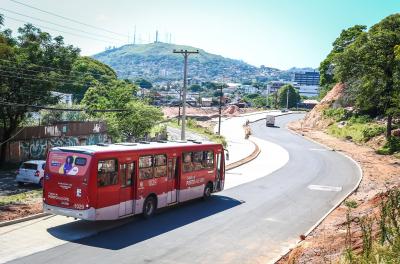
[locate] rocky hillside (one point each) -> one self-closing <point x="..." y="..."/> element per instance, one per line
<point x="314" y="118"/>
<point x="157" y="63"/>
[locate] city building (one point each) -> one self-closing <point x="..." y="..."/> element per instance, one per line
<point x="308" y="83"/>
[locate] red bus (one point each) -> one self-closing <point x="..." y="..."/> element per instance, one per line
<point x="112" y="181"/>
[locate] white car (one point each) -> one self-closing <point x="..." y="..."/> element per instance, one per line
<point x="31" y="171"/>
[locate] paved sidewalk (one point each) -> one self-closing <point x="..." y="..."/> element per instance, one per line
<point x="232" y="129"/>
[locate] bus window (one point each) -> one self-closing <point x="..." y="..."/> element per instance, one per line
<point x="187" y="162"/>
<point x="130" y="174"/>
<point x="208" y="159"/>
<point x="146" y="167"/>
<point x="197" y="158"/>
<point x="160" y="165"/>
<point x="107" y="172"/>
<point x="127" y="172"/>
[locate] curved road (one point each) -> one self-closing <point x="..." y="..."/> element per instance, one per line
<point x="254" y="222"/>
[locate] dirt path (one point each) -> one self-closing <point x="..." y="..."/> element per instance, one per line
<point x="326" y="243"/>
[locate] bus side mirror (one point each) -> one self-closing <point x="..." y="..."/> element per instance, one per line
<point x="226" y="155"/>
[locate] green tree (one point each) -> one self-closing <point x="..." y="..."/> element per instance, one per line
<point x="144" y="84"/>
<point x="195" y="88"/>
<point x="294" y="96"/>
<point x="85" y="73"/>
<point x="32" y="65"/>
<point x="138" y="117"/>
<point x="371" y="70"/>
<point x="326" y="68"/>
<point x="138" y="121"/>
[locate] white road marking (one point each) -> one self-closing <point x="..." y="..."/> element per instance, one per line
<point x="317" y="149"/>
<point x="325" y="188"/>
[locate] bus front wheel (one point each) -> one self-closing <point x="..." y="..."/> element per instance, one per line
<point x="149" y="207"/>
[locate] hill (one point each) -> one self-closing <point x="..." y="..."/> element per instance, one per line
<point x="157" y="63"/>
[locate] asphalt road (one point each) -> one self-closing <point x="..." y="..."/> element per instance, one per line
<point x="250" y="223"/>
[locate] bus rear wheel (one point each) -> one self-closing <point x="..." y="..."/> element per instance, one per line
<point x="149" y="207"/>
<point x="207" y="191"/>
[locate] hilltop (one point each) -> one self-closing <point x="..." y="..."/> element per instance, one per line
<point x="157" y="63"/>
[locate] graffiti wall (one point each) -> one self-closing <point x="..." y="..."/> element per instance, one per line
<point x="38" y="148"/>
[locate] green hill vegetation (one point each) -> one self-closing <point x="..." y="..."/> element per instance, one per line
<point x="157" y="63"/>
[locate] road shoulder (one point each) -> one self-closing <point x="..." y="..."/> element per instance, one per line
<point x="326" y="242"/>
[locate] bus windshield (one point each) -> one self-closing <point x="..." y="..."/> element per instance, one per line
<point x="65" y="163"/>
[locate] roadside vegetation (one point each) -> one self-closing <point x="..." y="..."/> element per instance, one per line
<point x="193" y="126"/>
<point x="380" y="233"/>
<point x="21" y="198"/>
<point x="360" y="129"/>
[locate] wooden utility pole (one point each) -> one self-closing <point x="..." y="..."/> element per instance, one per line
<point x="220" y="108"/>
<point x="185" y="54"/>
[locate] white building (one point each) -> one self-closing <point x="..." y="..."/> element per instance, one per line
<point x="64" y="98"/>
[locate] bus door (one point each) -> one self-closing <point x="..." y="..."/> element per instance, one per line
<point x="126" y="191"/>
<point x="172" y="180"/>
<point x="220" y="175"/>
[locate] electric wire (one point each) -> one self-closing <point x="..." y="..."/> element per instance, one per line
<point x="61" y="31"/>
<point x="69" y="19"/>
<point x="55" y="24"/>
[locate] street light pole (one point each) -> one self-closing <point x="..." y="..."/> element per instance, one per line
<point x="185" y="54"/>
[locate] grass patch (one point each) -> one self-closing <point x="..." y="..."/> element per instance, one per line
<point x="358" y="132"/>
<point x="194" y="127"/>
<point x="21" y="198"/>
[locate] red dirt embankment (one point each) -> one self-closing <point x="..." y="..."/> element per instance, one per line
<point x="327" y="242"/>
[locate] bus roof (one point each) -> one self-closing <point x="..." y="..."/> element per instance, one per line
<point x="128" y="146"/>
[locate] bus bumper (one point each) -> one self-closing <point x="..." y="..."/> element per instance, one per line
<point x="88" y="214"/>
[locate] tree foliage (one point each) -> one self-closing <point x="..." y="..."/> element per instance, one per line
<point x="294" y="96"/>
<point x="138" y="117"/>
<point x="326" y="68"/>
<point x="32" y="65"/>
<point x="371" y="70"/>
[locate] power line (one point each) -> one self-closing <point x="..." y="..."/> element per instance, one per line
<point x="77" y="73"/>
<point x="61" y="31"/>
<point x="69" y="19"/>
<point x="34" y="77"/>
<point x="34" y="73"/>
<point x="61" y="109"/>
<point x="71" y="28"/>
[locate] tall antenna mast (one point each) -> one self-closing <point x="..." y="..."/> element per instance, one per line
<point x="134" y="36"/>
<point x="156" y="36"/>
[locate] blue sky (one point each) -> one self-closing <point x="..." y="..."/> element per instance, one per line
<point x="275" y="33"/>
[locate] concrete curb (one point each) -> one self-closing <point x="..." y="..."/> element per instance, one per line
<point x="23" y="219"/>
<point x="245" y="160"/>
<point x="335" y="206"/>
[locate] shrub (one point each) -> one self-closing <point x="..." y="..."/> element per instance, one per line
<point x="390" y="147"/>
<point x="338" y="114"/>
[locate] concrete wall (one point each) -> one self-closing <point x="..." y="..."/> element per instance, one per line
<point x="35" y="142"/>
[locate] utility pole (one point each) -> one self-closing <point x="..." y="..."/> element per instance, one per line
<point x="185" y="54"/>
<point x="268" y="95"/>
<point x="287" y="98"/>
<point x="220" y="108"/>
<point x="179" y="106"/>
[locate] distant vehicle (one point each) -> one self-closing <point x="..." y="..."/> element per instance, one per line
<point x="175" y="103"/>
<point x="31" y="171"/>
<point x="270" y="120"/>
<point x="284" y="110"/>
